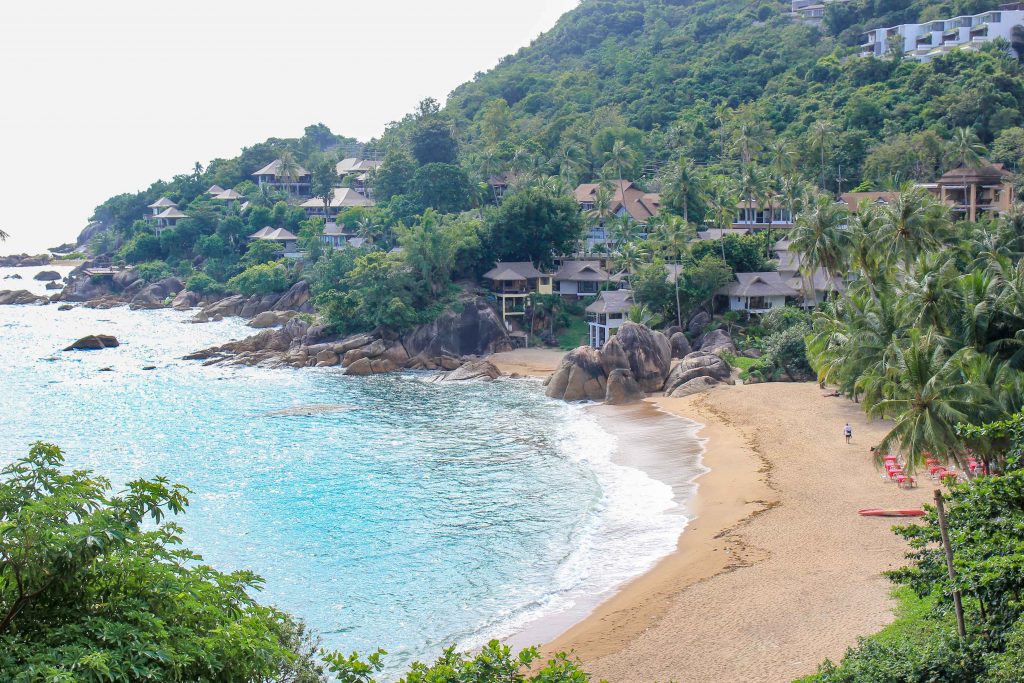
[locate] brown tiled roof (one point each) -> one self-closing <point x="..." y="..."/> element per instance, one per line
<point x="582" y="271"/>
<point x="991" y="173"/>
<point x="343" y="197"/>
<point x="162" y="203"/>
<point x="640" y="205"/>
<point x="612" y="301"/>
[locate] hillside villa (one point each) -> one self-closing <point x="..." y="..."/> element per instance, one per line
<point x="581" y="278"/>
<point x="297" y="182"/>
<point x="512" y="282"/>
<point x="165" y="214"/>
<point x="286" y="239"/>
<point x="756" y="216"/>
<point x="358" y="171"/>
<point x="932" y="39"/>
<point x="758" y="292"/>
<point x="626" y="200"/>
<point x="343" y="198"/>
<point x="607" y="313"/>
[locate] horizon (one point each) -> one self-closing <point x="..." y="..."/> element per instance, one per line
<point x="137" y="120"/>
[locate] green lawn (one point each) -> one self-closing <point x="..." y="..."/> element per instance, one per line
<point x="742" y="362"/>
<point x="576" y="334"/>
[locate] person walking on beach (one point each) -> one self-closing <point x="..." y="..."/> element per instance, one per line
<point x="848" y="432"/>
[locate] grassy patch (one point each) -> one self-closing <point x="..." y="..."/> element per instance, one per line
<point x="575" y="334"/>
<point x="742" y="362"/>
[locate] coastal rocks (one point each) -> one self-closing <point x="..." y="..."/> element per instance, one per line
<point x="46" y="276"/>
<point x="326" y="358"/>
<point x="717" y="342"/>
<point x="23" y="260"/>
<point x="622" y="388"/>
<point x="694" y="386"/>
<point x="697" y="365"/>
<point x="680" y="345"/>
<point x="295" y="299"/>
<point x="648" y="352"/>
<point x="54" y="286"/>
<point x="14" y="276"/>
<point x="82" y="288"/>
<point x="185" y="300"/>
<point x="473" y="370"/>
<point x="697" y="323"/>
<point x="65" y="307"/>
<point x="271" y="319"/>
<point x="155" y="295"/>
<point x="580" y="377"/>
<point x="124" y="279"/>
<point x="94" y="342"/>
<point x="22" y="297"/>
<point x="476" y="330"/>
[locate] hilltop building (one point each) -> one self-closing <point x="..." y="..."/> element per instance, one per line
<point x="932" y="39"/>
<point x="297" y="182"/>
<point x="811" y="11"/>
<point x="975" y="192"/>
<point x="626" y="200"/>
<point x="343" y="198"/>
<point x="757" y="216"/>
<point x="287" y="240"/>
<point x="358" y="171"/>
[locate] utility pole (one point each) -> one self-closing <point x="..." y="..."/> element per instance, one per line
<point x="957" y="604"/>
<point x="839" y="180"/>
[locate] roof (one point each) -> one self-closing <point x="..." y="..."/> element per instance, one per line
<point x="333" y="229"/>
<point x="358" y="241"/>
<point x="818" y="282"/>
<point x="171" y="212"/>
<point x="161" y="203"/>
<point x="641" y="206"/>
<point x="271" y="169"/>
<point x="759" y="284"/>
<point x="612" y="301"/>
<point x="261" y="233"/>
<point x="788" y="262"/>
<point x="343" y="197"/>
<point x="229" y="196"/>
<point x="356" y="165"/>
<point x="274" y="235"/>
<point x="719" y="233"/>
<point x="215" y="189"/>
<point x="854" y="199"/>
<point x="513" y="270"/>
<point x="582" y="271"/>
<point x="965" y="174"/>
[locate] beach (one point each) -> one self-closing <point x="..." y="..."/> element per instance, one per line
<point x="775" y="571"/>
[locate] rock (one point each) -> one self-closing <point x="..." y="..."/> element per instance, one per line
<point x="474" y="369"/>
<point x="149" y="367"/>
<point x="185" y="300"/>
<point x="22" y="297"/>
<point x="752" y="353"/>
<point x="54" y="286"/>
<point x="106" y="369"/>
<point x="396" y="353"/>
<point x="230" y="305"/>
<point x="672" y="330"/>
<point x="271" y="319"/>
<point x="449" y="363"/>
<point x="327" y="358"/>
<point x="94" y="342"/>
<point x="359" y="368"/>
<point x="295" y="299"/>
<point x="156" y="294"/>
<point x="82" y="288"/>
<point x="354" y="342"/>
<point x="579" y="377"/>
<point x="375" y="348"/>
<point x="694" y="386"/>
<point x="697" y="323"/>
<point x="717" y="341"/>
<point x="475" y="331"/>
<point x="649" y="354"/>
<point x="65" y="307"/>
<point x="124" y="279"/>
<point x="622" y="388"/>
<point x="613" y="357"/>
<point x="352" y="356"/>
<point x="15" y="276"/>
<point x="680" y="345"/>
<point x="47" y="276"/>
<point x="382" y="365"/>
<point x="695" y="365"/>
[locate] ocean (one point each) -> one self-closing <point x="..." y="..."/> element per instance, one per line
<point x="414" y="516"/>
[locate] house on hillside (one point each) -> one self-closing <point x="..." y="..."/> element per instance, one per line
<point x="813" y="290"/>
<point x="758" y="292"/>
<point x="581" y="278"/>
<point x="757" y="216"/>
<point x="853" y="200"/>
<point x="296" y="182"/>
<point x="229" y="197"/>
<point x="512" y="282"/>
<point x="499" y="184"/>
<point x="214" y="190"/>
<point x="287" y="240"/>
<point x="159" y="205"/>
<point x="168" y="218"/>
<point x="358" y="172"/>
<point x="718" y="233"/>
<point x="626" y="200"/>
<point x="926" y="41"/>
<point x="973" y="193"/>
<point x="607" y="313"/>
<point x="343" y="198"/>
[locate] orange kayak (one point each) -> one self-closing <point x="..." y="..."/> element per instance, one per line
<point x="875" y="512"/>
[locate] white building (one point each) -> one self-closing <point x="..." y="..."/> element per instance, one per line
<point x="606" y="315"/>
<point x="932" y="39"/>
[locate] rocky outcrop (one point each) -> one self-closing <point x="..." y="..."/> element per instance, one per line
<point x="475" y="330"/>
<point x="695" y="327"/>
<point x="22" y="297"/>
<point x="694" y="386"/>
<point x="124" y="279"/>
<point x="718" y="342"/>
<point x="295" y="299"/>
<point x="46" y="276"/>
<point x="24" y="260"/>
<point x="697" y="365"/>
<point x="53" y="286"/>
<point x="680" y="345"/>
<point x="94" y="342"/>
<point x="580" y="377"/>
<point x="271" y="319"/>
<point x="648" y="353"/>
<point x="156" y="295"/>
<point x="13" y="276"/>
<point x="473" y="370"/>
<point x="622" y="388"/>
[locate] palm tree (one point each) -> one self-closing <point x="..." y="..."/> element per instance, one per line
<point x="621" y="157"/>
<point x="910" y="224"/>
<point x="820" y="139"/>
<point x="681" y="185"/>
<point x="820" y="236"/>
<point x="287" y="167"/>
<point x="966" y="149"/>
<point x="570" y="161"/>
<point x="752" y="184"/>
<point x="630" y="257"/>
<point x="792" y="190"/>
<point x="781" y="157"/>
<point x="3" y="236"/>
<point x="674" y="235"/>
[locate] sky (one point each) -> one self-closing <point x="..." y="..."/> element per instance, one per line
<point x="106" y="96"/>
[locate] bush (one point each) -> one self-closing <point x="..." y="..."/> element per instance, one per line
<point x="262" y="279"/>
<point x="203" y="283"/>
<point x="151" y="271"/>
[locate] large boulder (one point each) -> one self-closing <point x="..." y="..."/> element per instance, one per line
<point x="474" y="369"/>
<point x="649" y="354"/>
<point x="694" y="386"/>
<point x="622" y="388"/>
<point x="697" y="323"/>
<point x="327" y="358"/>
<point x="579" y="377"/>
<point x="21" y="297"/>
<point x="695" y="365"/>
<point x="94" y="342"/>
<point x="54" y="286"/>
<point x="717" y="342"/>
<point x="680" y="345"/>
<point x="156" y="294"/>
<point x="271" y="319"/>
<point x="124" y="278"/>
<point x="185" y="300"/>
<point x="476" y="330"/>
<point x="229" y="305"/>
<point x="613" y="357"/>
<point x="47" y="276"/>
<point x="295" y="299"/>
<point x="359" y="368"/>
<point x="84" y="288"/>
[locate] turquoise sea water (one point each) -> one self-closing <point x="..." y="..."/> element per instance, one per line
<point x="426" y="514"/>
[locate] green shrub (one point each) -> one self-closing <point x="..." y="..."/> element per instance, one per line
<point x="151" y="271"/>
<point x="203" y="283"/>
<point x="265" y="278"/>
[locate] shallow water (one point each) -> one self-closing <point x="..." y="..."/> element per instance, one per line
<point x="422" y="515"/>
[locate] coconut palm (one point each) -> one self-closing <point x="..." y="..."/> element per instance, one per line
<point x="966" y="149"/>
<point x="621" y="157"/>
<point x="602" y="210"/>
<point x="623" y="230"/>
<point x="3" y="236"/>
<point x="820" y="140"/>
<point x="681" y="186"/>
<point x="287" y="166"/>
<point x="913" y="222"/>
<point x="674" y="235"/>
<point x="630" y="257"/>
<point x="781" y="157"/>
<point x="820" y="236"/>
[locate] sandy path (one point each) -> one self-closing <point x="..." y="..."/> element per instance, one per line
<point x="777" y="571"/>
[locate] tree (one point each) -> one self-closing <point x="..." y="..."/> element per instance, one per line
<point x="820" y="140"/>
<point x="325" y="179"/>
<point x="432" y="142"/>
<point x="910" y="224"/>
<point x="262" y="279"/>
<point x="673" y="235"/>
<point x="534" y="225"/>
<point x="394" y="176"/>
<point x="434" y="248"/>
<point x="965" y="149"/>
<point x="95" y="586"/>
<point x="681" y="187"/>
<point x="287" y="167"/>
<point x="819" y="236"/>
<point x="621" y="157"/>
<point x="444" y="187"/>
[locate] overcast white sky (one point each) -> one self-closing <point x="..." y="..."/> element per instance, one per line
<point x="106" y="96"/>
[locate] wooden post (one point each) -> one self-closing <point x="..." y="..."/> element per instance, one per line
<point x="944" y="531"/>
